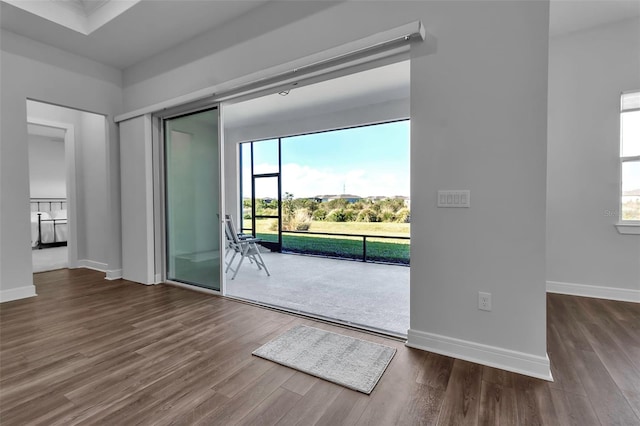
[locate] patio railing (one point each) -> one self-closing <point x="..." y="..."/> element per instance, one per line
<point x="365" y="247"/>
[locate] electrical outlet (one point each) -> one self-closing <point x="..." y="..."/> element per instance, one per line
<point x="484" y="301"/>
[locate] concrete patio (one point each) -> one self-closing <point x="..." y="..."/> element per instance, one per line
<point x="370" y="295"/>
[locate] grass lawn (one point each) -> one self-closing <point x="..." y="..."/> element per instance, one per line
<point x="381" y="250"/>
<point x="368" y="228"/>
<point x="378" y="249"/>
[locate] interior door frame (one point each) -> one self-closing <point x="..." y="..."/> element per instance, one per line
<point x="70" y="182"/>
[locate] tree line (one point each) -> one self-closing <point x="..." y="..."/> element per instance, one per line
<point x="298" y="213"/>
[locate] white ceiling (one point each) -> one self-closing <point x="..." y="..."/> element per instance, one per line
<point x="567" y="16"/>
<point x="151" y="26"/>
<point x="83" y="16"/>
<point x="144" y="30"/>
<point x="377" y="85"/>
<point x="85" y="6"/>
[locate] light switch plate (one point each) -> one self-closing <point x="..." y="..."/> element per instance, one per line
<point x="454" y="198"/>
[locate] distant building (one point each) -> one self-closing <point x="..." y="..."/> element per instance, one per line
<point x="349" y="197"/>
<point x="632" y="195"/>
<point x="374" y="198"/>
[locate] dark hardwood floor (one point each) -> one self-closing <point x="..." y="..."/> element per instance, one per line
<point x="92" y="351"/>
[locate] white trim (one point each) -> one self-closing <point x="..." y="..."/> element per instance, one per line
<point x="493" y="356"/>
<point x="17" y="293"/>
<point x="157" y="209"/>
<point x="74" y="17"/>
<point x="70" y="178"/>
<point x="90" y="264"/>
<point x="148" y="164"/>
<point x="600" y="292"/>
<point x="115" y="274"/>
<point x="138" y="243"/>
<point x="222" y="239"/>
<point x="260" y="78"/>
<point x="160" y="200"/>
<point x="628" y="228"/>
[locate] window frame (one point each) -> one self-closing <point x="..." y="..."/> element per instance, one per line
<point x="625" y="226"/>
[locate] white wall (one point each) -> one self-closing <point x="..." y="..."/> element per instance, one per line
<point x="587" y="72"/>
<point x="212" y="58"/>
<point x="37" y="71"/>
<point x="137" y="200"/>
<point x="47" y="168"/>
<point x="478" y="110"/>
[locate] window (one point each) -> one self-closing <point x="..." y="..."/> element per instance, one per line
<point x="630" y="156"/>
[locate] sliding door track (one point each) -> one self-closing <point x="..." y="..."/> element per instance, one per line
<point x="327" y="320"/>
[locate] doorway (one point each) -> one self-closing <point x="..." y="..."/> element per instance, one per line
<point x="325" y="193"/>
<point x="48" y="197"/>
<point x="78" y="209"/>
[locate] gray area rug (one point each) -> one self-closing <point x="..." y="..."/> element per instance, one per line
<point x="347" y="361"/>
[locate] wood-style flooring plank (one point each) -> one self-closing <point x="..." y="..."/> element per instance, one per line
<point x="424" y="406"/>
<point x="498" y="405"/>
<point x="395" y="390"/>
<point x="254" y="394"/>
<point x="462" y="398"/>
<point x="272" y="408"/>
<point x="607" y="399"/>
<point x="311" y="406"/>
<point x="300" y="383"/>
<point x="573" y="410"/>
<point x="535" y="403"/>
<point x="346" y="409"/>
<point x="90" y="351"/>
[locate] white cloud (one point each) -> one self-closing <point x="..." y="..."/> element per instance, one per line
<point x="305" y="181"/>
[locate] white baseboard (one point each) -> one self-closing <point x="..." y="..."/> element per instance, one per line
<point x="90" y="264"/>
<point x="17" y="293"/>
<point x="115" y="274"/>
<point x="492" y="356"/>
<point x="600" y="292"/>
<point x="158" y="279"/>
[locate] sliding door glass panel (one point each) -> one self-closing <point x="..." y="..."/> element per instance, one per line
<point x="266" y="157"/>
<point x="192" y="199"/>
<point x="267" y="210"/>
<point x="246" y="207"/>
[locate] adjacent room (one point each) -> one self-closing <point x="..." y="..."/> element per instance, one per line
<point x="48" y="197"/>
<point x="65" y="163"/>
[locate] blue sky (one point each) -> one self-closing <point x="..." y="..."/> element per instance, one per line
<point x="370" y="160"/>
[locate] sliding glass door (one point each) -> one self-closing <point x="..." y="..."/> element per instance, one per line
<point x="192" y="185"/>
